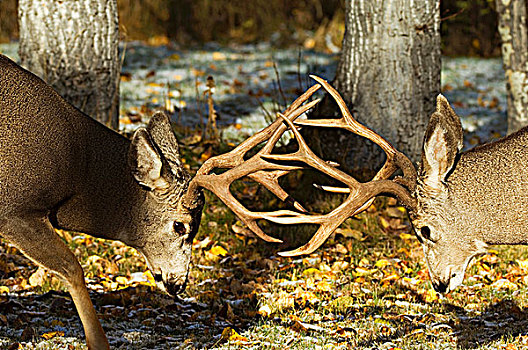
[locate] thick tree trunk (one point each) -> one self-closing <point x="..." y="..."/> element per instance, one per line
<point x="389" y="75"/>
<point x="73" y="45"/>
<point x="514" y="34"/>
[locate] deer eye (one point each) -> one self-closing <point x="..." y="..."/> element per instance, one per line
<point x="179" y="228"/>
<point x="425" y="231"/>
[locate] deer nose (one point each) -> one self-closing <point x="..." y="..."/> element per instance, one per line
<point x="439" y="286"/>
<point x="175" y="288"/>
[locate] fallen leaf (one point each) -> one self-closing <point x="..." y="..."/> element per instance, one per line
<point x="382" y="263"/>
<point x="218" y="250"/>
<point x="50" y="335"/>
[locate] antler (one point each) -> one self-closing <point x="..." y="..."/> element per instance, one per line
<point x="266" y="168"/>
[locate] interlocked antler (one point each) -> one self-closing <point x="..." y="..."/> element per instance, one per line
<point x="264" y="169"/>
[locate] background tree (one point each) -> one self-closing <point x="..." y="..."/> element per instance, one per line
<point x="73" y="45"/>
<point x="389" y="74"/>
<point x="514" y="34"/>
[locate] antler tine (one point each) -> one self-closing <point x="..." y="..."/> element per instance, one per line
<point x="270" y="180"/>
<point x="360" y="196"/>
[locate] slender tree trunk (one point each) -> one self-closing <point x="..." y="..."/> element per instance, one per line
<point x="514" y="34"/>
<point x="73" y="45"/>
<point x="389" y="75"/>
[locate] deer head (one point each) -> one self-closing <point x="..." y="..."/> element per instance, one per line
<point x="167" y="227"/>
<point x="448" y="239"/>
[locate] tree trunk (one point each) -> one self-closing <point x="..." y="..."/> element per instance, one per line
<point x="389" y="75"/>
<point x="514" y="35"/>
<point x="73" y="45"/>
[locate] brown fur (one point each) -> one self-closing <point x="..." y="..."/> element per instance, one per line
<point x="60" y="168"/>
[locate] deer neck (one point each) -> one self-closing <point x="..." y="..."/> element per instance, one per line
<point x="489" y="188"/>
<point x="107" y="201"/>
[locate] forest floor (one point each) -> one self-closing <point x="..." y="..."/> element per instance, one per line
<point x="367" y="287"/>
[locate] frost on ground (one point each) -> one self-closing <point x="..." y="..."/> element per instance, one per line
<point x="255" y="81"/>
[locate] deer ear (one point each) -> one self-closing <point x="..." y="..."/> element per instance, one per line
<point x="146" y="162"/>
<point x="442" y="142"/>
<point x="159" y="128"/>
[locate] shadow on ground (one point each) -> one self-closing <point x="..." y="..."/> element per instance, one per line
<point x="503" y="319"/>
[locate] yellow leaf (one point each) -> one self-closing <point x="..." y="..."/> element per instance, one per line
<point x="205" y="156"/>
<point x="340" y="265"/>
<point x="324" y="286"/>
<point x="362" y="272"/>
<point x="363" y="262"/>
<point x="125" y="120"/>
<point x="309" y="297"/>
<point x="37" y="278"/>
<point x="155" y="84"/>
<point x="402" y="209"/>
<point x="383" y="222"/>
<point x="391" y="277"/>
<point x="468" y="84"/>
<point x="150" y="278"/>
<point x="218" y="250"/>
<point x="523" y="264"/>
<point x="309" y="43"/>
<point x="311" y="271"/>
<point x="169" y="107"/>
<point x="50" y="335"/>
<point x="4" y="289"/>
<point x="236" y="337"/>
<point x="405" y="236"/>
<point x="476" y="43"/>
<point x="382" y="263"/>
<point x="431" y="296"/>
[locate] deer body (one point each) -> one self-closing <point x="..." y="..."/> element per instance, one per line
<point x="61" y="169"/>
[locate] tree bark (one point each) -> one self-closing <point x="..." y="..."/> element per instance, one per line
<point x="514" y="34"/>
<point x="389" y="75"/>
<point x="73" y="45"/>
